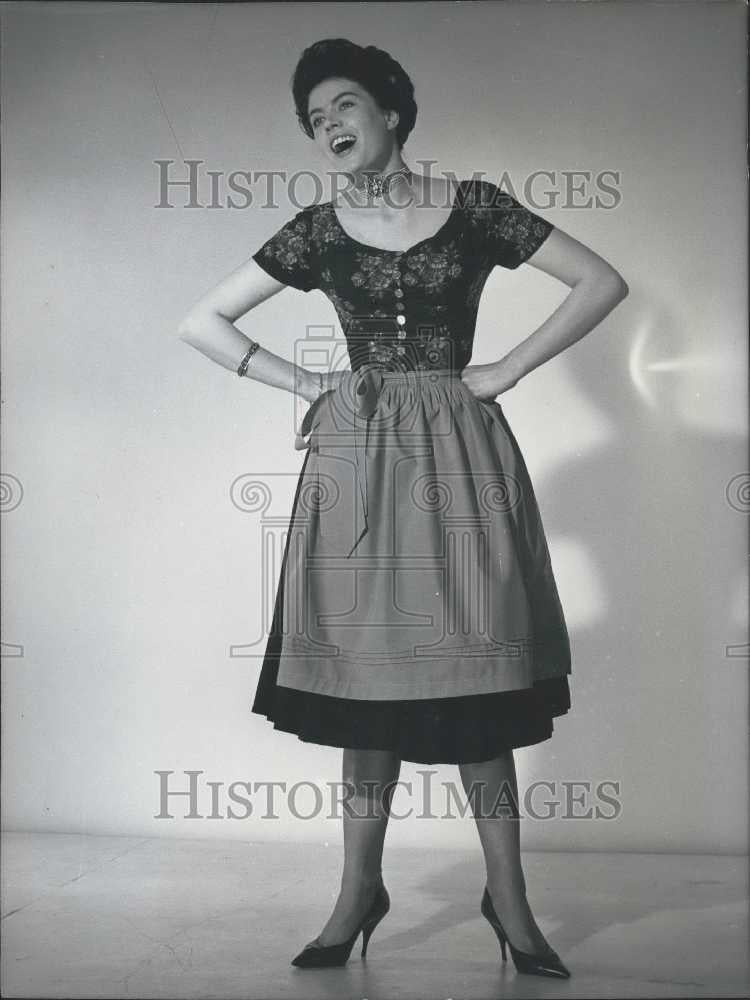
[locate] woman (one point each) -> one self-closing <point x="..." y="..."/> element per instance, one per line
<point x="389" y="639"/>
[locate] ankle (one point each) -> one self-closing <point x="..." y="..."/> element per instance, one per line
<point x="509" y="901"/>
<point x="361" y="879"/>
<point x="509" y="886"/>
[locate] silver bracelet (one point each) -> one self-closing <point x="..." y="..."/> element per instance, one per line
<point x="246" y="360"/>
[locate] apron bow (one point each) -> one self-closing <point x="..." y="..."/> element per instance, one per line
<point x="360" y="392"/>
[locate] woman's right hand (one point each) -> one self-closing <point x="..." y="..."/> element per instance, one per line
<point x="310" y="387"/>
<point x="332" y="380"/>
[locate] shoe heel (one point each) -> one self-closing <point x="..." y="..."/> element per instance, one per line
<point x="502" y="939"/>
<point x="367" y="931"/>
<point x="370" y="927"/>
<point x="499" y="932"/>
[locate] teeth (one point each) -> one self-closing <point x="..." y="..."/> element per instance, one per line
<point x="341" y="138"/>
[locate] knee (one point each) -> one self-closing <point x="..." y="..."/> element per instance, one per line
<point x="368" y="773"/>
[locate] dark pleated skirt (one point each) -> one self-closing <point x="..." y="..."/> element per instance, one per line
<point x="452" y="730"/>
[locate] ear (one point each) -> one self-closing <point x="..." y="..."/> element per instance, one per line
<point x="391" y="119"/>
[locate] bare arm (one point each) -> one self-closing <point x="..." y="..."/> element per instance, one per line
<point x="209" y="328"/>
<point x="596" y="288"/>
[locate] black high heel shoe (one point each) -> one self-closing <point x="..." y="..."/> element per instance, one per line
<point x="319" y="956"/>
<point x="546" y="964"/>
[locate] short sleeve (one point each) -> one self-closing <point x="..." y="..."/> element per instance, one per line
<point x="511" y="232"/>
<point x="287" y="256"/>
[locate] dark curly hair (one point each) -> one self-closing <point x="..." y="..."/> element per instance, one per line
<point x="375" y="70"/>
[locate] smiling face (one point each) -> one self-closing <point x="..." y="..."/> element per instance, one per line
<point x="349" y="127"/>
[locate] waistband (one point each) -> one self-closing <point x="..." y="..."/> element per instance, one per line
<point x="427" y="375"/>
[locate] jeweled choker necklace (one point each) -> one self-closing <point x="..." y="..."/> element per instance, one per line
<point x="376" y="185"/>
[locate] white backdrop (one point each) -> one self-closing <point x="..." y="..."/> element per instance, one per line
<point x="129" y="572"/>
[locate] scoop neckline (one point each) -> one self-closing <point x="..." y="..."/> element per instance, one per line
<point x="427" y="239"/>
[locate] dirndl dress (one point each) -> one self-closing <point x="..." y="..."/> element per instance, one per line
<point x="417" y="609"/>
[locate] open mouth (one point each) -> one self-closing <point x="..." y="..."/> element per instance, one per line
<point x="341" y="144"/>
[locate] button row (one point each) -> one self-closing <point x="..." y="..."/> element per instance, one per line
<point x="400" y="317"/>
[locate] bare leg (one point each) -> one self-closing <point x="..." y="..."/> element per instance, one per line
<point x="369" y="773"/>
<point x="494" y="801"/>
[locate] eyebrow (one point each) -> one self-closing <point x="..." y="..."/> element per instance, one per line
<point x="344" y="93"/>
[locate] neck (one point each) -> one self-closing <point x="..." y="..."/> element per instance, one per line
<point x="377" y="183"/>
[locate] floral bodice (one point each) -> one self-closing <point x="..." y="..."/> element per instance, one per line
<point x="409" y="309"/>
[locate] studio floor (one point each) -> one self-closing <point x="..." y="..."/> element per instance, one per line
<point x="144" y="917"/>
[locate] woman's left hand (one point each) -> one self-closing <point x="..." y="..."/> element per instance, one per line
<point x="488" y="381"/>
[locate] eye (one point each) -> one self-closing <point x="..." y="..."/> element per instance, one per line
<point x="345" y="102"/>
<point x="316" y="121"/>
